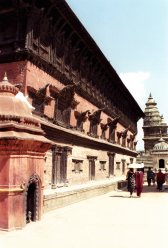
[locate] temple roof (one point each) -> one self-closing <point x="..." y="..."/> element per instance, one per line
<point x="161" y="145"/>
<point x="10" y="104"/>
<point x="16" y="119"/>
<point x="152" y="115"/>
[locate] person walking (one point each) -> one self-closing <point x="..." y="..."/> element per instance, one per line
<point x="130" y="181"/>
<point x="139" y="182"/>
<point x="150" y="176"/>
<point x="160" y="178"/>
<point x="166" y="177"/>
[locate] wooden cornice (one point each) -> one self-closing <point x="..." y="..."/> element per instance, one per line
<point x="60" y="134"/>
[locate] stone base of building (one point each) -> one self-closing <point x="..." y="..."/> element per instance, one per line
<point x="66" y="196"/>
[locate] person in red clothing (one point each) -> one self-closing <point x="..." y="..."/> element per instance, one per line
<point x="160" y="178"/>
<point x="139" y="182"/>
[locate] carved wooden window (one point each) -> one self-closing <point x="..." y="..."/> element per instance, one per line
<point x="60" y="44"/>
<point x="118" y="165"/>
<point x="111" y="163"/>
<point x="39" y="99"/>
<point x="104" y="129"/>
<point x="45" y="39"/>
<point x="112" y="134"/>
<point x="123" y="141"/>
<point x="94" y="121"/>
<point x="135" y="143"/>
<point x="81" y="117"/>
<point x="77" y="165"/>
<point x="36" y="33"/>
<point x="132" y="142"/>
<point x="123" y="166"/>
<point x="59" y="165"/>
<point x="131" y="160"/>
<point x="128" y="142"/>
<point x="93" y="128"/>
<point x="118" y="137"/>
<point x="62" y="113"/>
<point x="91" y="167"/>
<point x="112" y="128"/>
<point x="124" y="137"/>
<point x="39" y="105"/>
<point x="64" y="102"/>
<point x="8" y="30"/>
<point x="79" y="125"/>
<point x="103" y="135"/>
<point x="102" y="166"/>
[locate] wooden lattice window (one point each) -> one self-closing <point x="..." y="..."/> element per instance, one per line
<point x="62" y="113"/>
<point x="123" y="166"/>
<point x="93" y="128"/>
<point x="59" y="165"/>
<point x="123" y="141"/>
<point x="118" y="165"/>
<point x="77" y="165"/>
<point x="112" y="134"/>
<point x="102" y="165"/>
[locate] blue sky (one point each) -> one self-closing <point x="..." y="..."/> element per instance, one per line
<point x="133" y="35"/>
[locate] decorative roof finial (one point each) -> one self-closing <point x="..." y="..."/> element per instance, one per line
<point x="150" y="95"/>
<point x="5" y="79"/>
<point x="160" y="133"/>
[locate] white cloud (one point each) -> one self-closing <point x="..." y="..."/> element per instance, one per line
<point x="135" y="83"/>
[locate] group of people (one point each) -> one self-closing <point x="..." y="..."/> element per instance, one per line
<point x="159" y="177"/>
<point x="135" y="180"/>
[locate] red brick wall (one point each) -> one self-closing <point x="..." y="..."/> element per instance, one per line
<point x="30" y="75"/>
<point x="16" y="71"/>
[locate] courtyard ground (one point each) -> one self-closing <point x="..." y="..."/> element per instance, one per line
<point x="109" y="220"/>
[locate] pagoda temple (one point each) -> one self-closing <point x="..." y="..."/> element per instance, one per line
<point x="155" y="154"/>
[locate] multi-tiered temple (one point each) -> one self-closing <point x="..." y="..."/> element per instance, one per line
<point x="155" y="137"/>
<point x="78" y="99"/>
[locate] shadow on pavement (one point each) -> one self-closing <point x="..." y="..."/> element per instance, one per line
<point x="121" y="196"/>
<point x="150" y="189"/>
<point x="146" y="189"/>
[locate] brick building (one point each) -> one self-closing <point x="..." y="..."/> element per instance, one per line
<point x="79" y="100"/>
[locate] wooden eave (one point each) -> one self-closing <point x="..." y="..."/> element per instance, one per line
<point x="75" y="23"/>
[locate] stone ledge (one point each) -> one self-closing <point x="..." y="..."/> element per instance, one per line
<point x="62" y="199"/>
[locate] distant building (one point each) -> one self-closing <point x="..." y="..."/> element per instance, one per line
<point x="155" y="154"/>
<point x="84" y="121"/>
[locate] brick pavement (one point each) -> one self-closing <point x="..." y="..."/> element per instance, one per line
<point x="110" y="220"/>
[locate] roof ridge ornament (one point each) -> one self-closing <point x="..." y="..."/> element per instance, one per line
<point x="5" y="79"/>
